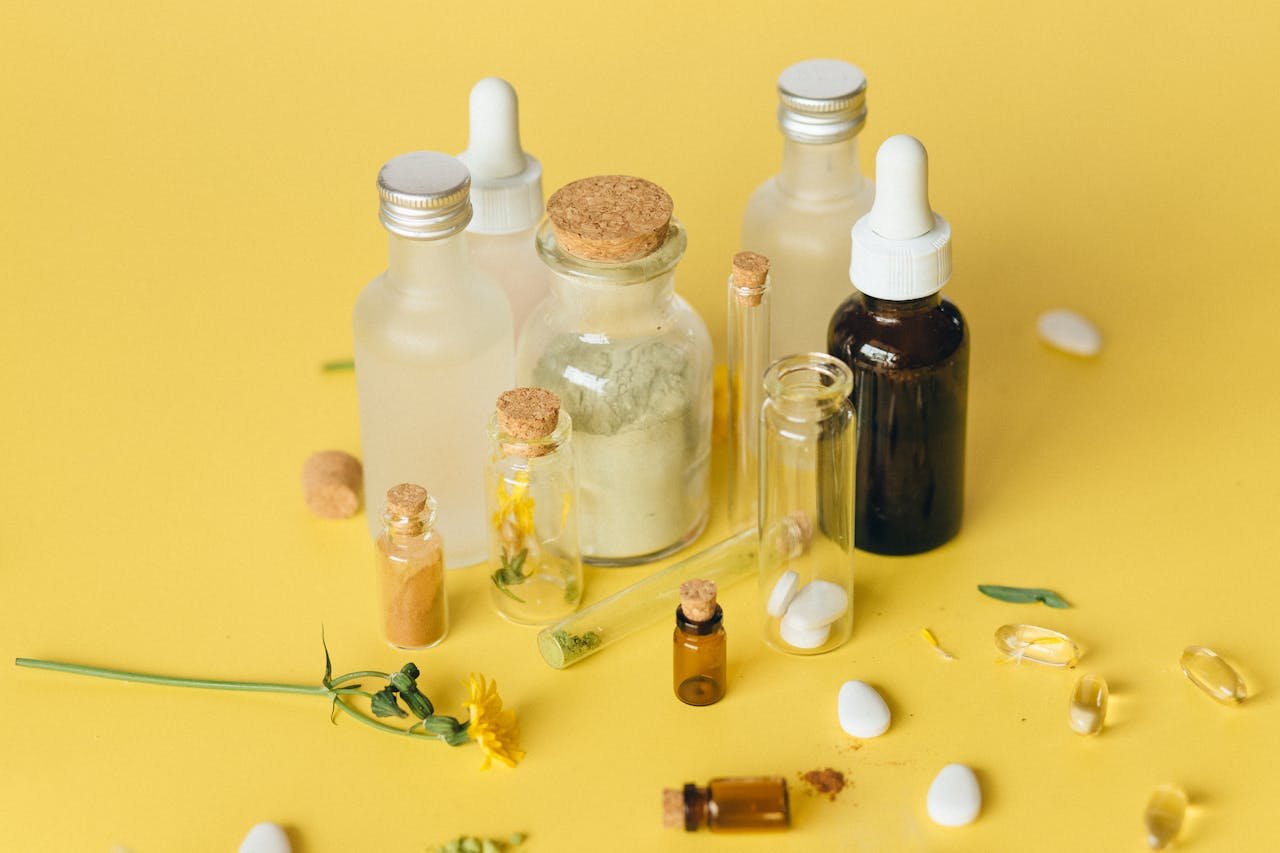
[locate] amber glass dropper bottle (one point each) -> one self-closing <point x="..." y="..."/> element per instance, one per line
<point x="699" y="641"/>
<point x="909" y="352"/>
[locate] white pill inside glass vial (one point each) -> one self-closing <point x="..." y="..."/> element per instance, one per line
<point x="802" y="638"/>
<point x="954" y="797"/>
<point x="818" y="603"/>
<point x="783" y="593"/>
<point x="862" y="710"/>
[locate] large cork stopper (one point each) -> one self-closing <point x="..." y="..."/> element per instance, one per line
<point x="406" y="500"/>
<point x="672" y="808"/>
<point x="698" y="600"/>
<point x="610" y="217"/>
<point x="749" y="273"/>
<point x="528" y="415"/>
<point x="331" y="484"/>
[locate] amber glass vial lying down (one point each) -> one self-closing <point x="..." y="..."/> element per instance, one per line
<point x="728" y="805"/>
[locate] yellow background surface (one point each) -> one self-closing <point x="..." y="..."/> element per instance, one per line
<point x="188" y="213"/>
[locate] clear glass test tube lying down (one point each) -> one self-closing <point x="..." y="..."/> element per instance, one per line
<point x="655" y="598"/>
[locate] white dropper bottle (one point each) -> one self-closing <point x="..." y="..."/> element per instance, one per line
<point x="506" y="192"/>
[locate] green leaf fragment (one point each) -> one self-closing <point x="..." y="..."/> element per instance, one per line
<point x="1023" y="595"/>
<point x="384" y="703"/>
<point x="338" y="365"/>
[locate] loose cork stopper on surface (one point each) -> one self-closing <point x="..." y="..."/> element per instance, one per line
<point x="610" y="217"/>
<point x="749" y="271"/>
<point x="672" y="808"/>
<point x="698" y="600"/>
<point x="331" y="484"/>
<point x="406" y="499"/>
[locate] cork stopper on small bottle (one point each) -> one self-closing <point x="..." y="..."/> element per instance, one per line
<point x="698" y="600"/>
<point x="406" y="500"/>
<point x="610" y="217"/>
<point x="331" y="484"/>
<point x="528" y="415"/>
<point x="672" y="808"/>
<point x="749" y="273"/>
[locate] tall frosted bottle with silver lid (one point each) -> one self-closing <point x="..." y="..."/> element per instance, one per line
<point x="433" y="349"/>
<point x="800" y="218"/>
<point x="506" y="194"/>
<point x="631" y="363"/>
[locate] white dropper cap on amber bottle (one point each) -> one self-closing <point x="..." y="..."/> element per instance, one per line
<point x="506" y="183"/>
<point x="901" y="248"/>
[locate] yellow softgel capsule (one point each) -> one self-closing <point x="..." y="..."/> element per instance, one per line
<point x="1213" y="675"/>
<point x="1042" y="645"/>
<point x="1088" y="709"/>
<point x="1165" y="811"/>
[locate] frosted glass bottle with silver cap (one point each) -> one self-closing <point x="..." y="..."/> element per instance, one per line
<point x="909" y="351"/>
<point x="433" y="349"/>
<point x="506" y="194"/>
<point x="801" y="217"/>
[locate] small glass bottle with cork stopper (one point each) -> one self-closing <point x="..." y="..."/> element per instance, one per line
<point x="699" y="645"/>
<point x="630" y="360"/>
<point x="410" y="556"/>
<point x="534" y="559"/>
<point x="727" y="805"/>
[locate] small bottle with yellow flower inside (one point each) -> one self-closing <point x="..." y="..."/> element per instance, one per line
<point x="535" y="561"/>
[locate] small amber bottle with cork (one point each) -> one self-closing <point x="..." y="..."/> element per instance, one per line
<point x="727" y="805"/>
<point x="700" y="645"/>
<point x="411" y="570"/>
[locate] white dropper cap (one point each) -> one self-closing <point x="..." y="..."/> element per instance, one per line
<point x="901" y="248"/>
<point x="506" y="183"/>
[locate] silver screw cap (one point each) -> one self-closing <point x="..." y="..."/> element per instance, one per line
<point x="424" y="195"/>
<point x="822" y="100"/>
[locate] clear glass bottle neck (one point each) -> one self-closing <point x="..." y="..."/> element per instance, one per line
<point x="425" y="265"/>
<point x="820" y="172"/>
<point x="406" y="528"/>
<point x="808" y="387"/>
<point x="615" y="307"/>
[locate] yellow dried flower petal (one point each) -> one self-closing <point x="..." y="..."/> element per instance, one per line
<point x="490" y="726"/>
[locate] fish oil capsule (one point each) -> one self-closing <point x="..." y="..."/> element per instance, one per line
<point x="1165" y="811"/>
<point x="1213" y="675"/>
<point x="1088" y="708"/>
<point x="1030" y="642"/>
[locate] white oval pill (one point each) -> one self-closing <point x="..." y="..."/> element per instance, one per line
<point x="817" y="603"/>
<point x="1069" y="332"/>
<point x="802" y="638"/>
<point x="862" y="711"/>
<point x="783" y="591"/>
<point x="266" y="838"/>
<point x="954" y="797"/>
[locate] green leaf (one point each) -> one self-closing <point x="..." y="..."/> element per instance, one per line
<point x="1023" y="595"/>
<point x="338" y="365"/>
<point x="500" y="581"/>
<point x="328" y="664"/>
<point x="384" y="704"/>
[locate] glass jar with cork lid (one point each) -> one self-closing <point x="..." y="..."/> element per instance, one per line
<point x="535" y="563"/>
<point x="631" y="363"/>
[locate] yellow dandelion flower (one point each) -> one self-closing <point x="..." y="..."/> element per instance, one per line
<point x="515" y="504"/>
<point x="491" y="727"/>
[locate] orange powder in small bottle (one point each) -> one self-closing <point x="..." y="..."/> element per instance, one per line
<point x="411" y="570"/>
